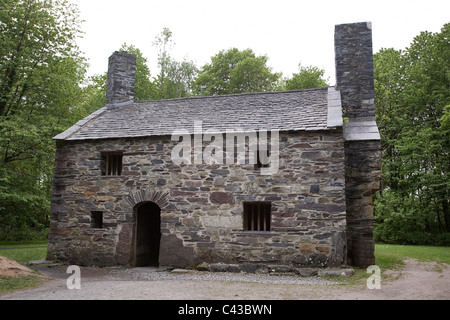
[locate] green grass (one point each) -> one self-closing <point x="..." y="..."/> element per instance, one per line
<point x="24" y="255"/>
<point x="8" y="284"/>
<point x="7" y="244"/>
<point x="391" y="257"/>
<point x="388" y="256"/>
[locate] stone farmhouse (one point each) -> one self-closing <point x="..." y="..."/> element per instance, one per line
<point x="246" y="180"/>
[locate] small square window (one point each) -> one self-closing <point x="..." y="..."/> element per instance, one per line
<point x="257" y="216"/>
<point x="112" y="163"/>
<point x="97" y="219"/>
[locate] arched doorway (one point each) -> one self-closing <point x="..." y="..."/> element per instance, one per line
<point x="147" y="234"/>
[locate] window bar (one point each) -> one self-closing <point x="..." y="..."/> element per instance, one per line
<point x="264" y="217"/>
<point x="252" y="217"/>
<point x="245" y="217"/>
<point x="107" y="165"/>
<point x="111" y="164"/>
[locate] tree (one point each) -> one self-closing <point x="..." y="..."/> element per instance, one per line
<point x="235" y="71"/>
<point x="40" y="76"/>
<point x="145" y="89"/>
<point x="179" y="79"/>
<point x="308" y="78"/>
<point x="94" y="94"/>
<point x="412" y="91"/>
<point x="175" y="78"/>
<point x="164" y="42"/>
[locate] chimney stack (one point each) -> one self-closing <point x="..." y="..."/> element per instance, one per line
<point x="354" y="69"/>
<point x="354" y="80"/>
<point x="121" y="78"/>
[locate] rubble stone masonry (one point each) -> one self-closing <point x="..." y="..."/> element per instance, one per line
<point x="201" y="205"/>
<point x="354" y="79"/>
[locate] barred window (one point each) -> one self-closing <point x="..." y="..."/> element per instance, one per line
<point x="111" y="163"/>
<point x="257" y="216"/>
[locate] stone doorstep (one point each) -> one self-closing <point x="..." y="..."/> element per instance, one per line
<point x="47" y="263"/>
<point x="347" y="272"/>
<point x="276" y="270"/>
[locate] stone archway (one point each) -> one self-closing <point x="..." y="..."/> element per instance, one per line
<point x="126" y="245"/>
<point x="172" y="251"/>
<point x="137" y="196"/>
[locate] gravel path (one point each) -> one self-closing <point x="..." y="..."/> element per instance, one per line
<point x="150" y="283"/>
<point x="417" y="280"/>
<point x="147" y="274"/>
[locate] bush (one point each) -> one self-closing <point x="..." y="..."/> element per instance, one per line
<point x="22" y="234"/>
<point x="400" y="220"/>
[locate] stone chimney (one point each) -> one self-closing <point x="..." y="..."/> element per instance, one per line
<point x="354" y="69"/>
<point x="121" y="78"/>
<point x="354" y="80"/>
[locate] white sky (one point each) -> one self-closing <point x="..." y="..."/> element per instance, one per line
<point x="287" y="31"/>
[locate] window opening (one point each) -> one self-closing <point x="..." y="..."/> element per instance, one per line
<point x="112" y="164"/>
<point x="97" y="219"/>
<point x="257" y="216"/>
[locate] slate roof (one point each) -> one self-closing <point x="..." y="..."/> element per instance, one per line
<point x="313" y="109"/>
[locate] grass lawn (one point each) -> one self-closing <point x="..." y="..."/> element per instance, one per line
<point x="22" y="256"/>
<point x="389" y="256"/>
<point x="8" y="244"/>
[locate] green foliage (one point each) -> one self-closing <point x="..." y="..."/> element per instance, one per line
<point x="179" y="79"/>
<point x="175" y="78"/>
<point x="412" y="92"/>
<point x="307" y="78"/>
<point x="94" y="95"/>
<point x="235" y="71"/>
<point x="445" y="120"/>
<point x="40" y="73"/>
<point x="163" y="42"/>
<point x="405" y="220"/>
<point x="145" y="89"/>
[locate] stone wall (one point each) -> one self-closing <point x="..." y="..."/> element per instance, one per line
<point x="201" y="205"/>
<point x="363" y="178"/>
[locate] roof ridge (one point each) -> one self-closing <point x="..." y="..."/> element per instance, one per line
<point x="234" y="95"/>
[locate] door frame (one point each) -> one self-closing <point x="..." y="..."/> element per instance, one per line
<point x="134" y="243"/>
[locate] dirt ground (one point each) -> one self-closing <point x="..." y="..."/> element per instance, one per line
<point x="415" y="281"/>
<point x="11" y="268"/>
